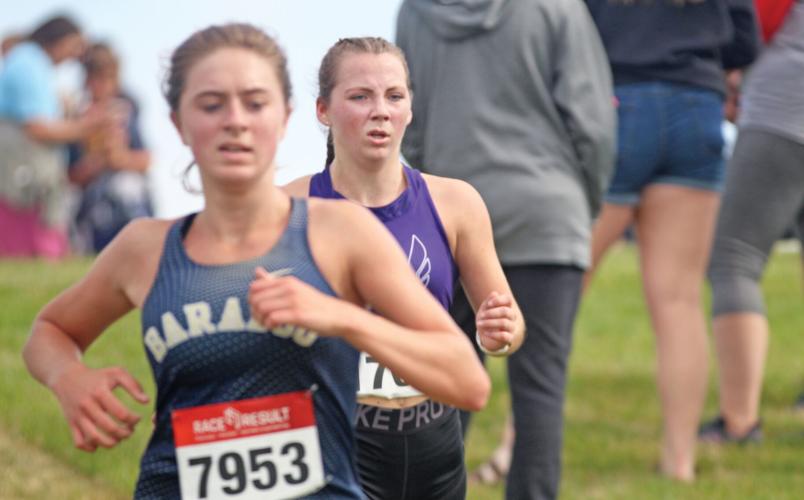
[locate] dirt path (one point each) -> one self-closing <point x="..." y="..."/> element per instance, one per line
<point x="28" y="473"/>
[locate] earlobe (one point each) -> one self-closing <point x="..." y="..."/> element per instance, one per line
<point x="285" y="123"/>
<point x="321" y="112"/>
<point x="174" y="118"/>
<point x="287" y="114"/>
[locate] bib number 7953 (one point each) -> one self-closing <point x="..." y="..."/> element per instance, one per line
<point x="248" y="449"/>
<point x="260" y="472"/>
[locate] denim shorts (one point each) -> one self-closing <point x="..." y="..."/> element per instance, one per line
<point x="670" y="134"/>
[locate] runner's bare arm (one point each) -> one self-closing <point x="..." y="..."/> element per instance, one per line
<point x="464" y="214"/>
<point x="67" y="326"/>
<point x="411" y="333"/>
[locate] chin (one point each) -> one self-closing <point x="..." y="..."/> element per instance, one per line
<point x="238" y="174"/>
<point x="377" y="154"/>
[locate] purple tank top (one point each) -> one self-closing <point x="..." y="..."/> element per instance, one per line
<point x="413" y="220"/>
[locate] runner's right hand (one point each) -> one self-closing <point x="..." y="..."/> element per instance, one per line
<point x="95" y="414"/>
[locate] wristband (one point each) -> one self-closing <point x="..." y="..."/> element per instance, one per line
<point x="502" y="351"/>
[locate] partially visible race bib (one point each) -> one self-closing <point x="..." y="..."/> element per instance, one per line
<point x="249" y="449"/>
<point x="377" y="380"/>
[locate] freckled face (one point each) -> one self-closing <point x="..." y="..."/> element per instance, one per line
<point x="369" y="108"/>
<point x="232" y="114"/>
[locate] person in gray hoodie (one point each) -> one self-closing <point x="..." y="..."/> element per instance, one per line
<point x="515" y="98"/>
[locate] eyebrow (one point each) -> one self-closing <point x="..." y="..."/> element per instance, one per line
<point x="359" y="89"/>
<point x="371" y="89"/>
<point x="220" y="94"/>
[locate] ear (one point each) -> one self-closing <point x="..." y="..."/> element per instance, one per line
<point x="174" y="118"/>
<point x="410" y="113"/>
<point x="321" y="112"/>
<point x="285" y="121"/>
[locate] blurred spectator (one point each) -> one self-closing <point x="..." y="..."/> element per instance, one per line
<point x="109" y="165"/>
<point x="764" y="193"/>
<point x="515" y="98"/>
<point x="9" y="41"/>
<point x="32" y="170"/>
<point x="670" y="87"/>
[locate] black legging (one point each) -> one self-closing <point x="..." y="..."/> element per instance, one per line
<point x="548" y="297"/>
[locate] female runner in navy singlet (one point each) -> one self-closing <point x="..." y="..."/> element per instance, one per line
<point x="254" y="309"/>
<point x="409" y="442"/>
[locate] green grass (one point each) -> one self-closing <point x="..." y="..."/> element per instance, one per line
<point x="28" y="472"/>
<point x="612" y="411"/>
<point x="29" y="410"/>
<point x="612" y="422"/>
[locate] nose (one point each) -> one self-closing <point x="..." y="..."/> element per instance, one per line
<point x="380" y="111"/>
<point x="235" y="117"/>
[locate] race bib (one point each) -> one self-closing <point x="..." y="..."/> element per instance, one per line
<point x="377" y="380"/>
<point x="250" y="449"/>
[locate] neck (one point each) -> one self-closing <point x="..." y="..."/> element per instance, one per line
<point x="369" y="185"/>
<point x="237" y="215"/>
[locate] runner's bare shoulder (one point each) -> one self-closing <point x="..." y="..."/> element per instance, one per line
<point x="299" y="188"/>
<point x="134" y="255"/>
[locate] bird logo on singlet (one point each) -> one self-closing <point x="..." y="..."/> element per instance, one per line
<point x="419" y="260"/>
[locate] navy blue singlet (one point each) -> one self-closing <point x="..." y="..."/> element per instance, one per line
<point x="413" y="220"/>
<point x="203" y="349"/>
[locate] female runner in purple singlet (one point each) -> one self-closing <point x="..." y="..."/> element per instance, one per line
<point x="409" y="443"/>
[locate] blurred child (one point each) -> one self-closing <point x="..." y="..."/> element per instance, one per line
<point x="109" y="165"/>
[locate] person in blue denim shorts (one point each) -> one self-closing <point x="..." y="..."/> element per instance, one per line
<point x="670" y="87"/>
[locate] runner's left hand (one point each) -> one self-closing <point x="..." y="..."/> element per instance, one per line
<point x="495" y="321"/>
<point x="287" y="300"/>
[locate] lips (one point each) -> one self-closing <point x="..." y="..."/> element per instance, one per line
<point x="379" y="138"/>
<point x="235" y="153"/>
<point x="233" y="147"/>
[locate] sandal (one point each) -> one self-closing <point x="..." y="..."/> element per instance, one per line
<point x="715" y="431"/>
<point x="491" y="472"/>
